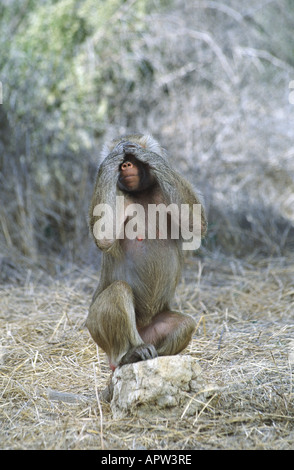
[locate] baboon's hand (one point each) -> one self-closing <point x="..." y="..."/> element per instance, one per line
<point x="144" y="155"/>
<point x="139" y="353"/>
<point x="118" y="149"/>
<point x="110" y="165"/>
<point x="131" y="148"/>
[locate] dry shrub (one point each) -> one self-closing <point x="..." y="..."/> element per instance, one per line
<point x="208" y="79"/>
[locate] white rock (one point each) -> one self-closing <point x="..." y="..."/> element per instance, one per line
<point x="167" y="385"/>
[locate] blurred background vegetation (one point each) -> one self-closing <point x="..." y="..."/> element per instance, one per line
<point x="209" y="79"/>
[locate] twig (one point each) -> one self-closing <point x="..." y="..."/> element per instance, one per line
<point x="204" y="408"/>
<point x="100" y="408"/>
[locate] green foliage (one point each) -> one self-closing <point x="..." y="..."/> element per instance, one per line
<point x="65" y="62"/>
<point x="65" y="71"/>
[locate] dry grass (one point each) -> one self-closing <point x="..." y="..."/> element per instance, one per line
<point x="51" y="371"/>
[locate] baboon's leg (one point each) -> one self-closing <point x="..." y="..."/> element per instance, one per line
<point x="170" y="332"/>
<point x="112" y="324"/>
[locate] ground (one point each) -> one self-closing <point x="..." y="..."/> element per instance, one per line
<point x="52" y="373"/>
